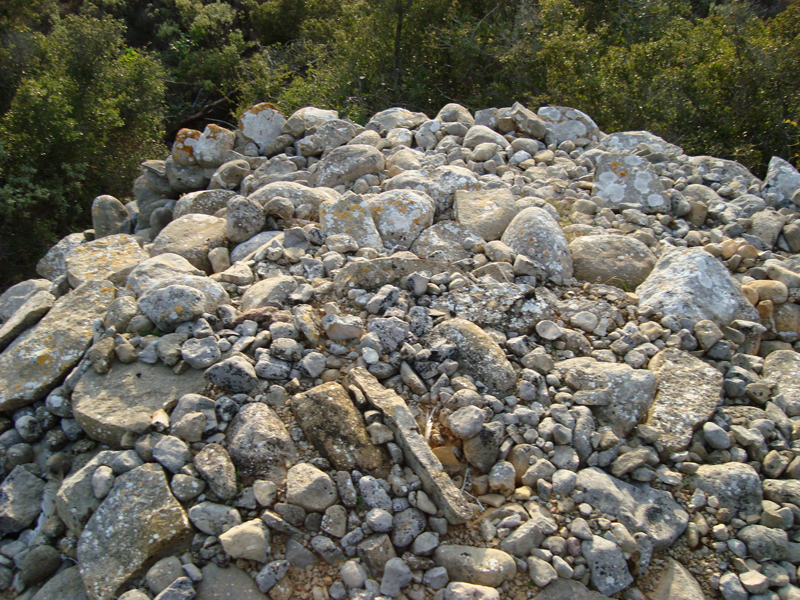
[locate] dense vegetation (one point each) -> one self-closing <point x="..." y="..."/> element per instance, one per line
<point x="89" y="88"/>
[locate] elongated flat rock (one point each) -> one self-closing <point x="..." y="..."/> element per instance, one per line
<point x="139" y="520"/>
<point x="36" y="361"/>
<point x="124" y="399"/>
<point x="111" y="257"/>
<point x="436" y="483"/>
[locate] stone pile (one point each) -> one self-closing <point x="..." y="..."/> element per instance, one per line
<point x="479" y="356"/>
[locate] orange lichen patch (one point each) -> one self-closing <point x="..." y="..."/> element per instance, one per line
<point x="258" y="108"/>
<point x="183" y="147"/>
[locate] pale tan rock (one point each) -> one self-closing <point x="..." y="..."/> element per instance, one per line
<point x="486" y="213"/>
<point x="183" y="147"/>
<point x="111" y="257"/>
<point x="346" y="164"/>
<point x="192" y="237"/>
<point x="204" y="202"/>
<point x="611" y="259"/>
<point x="401" y="215"/>
<point x="350" y="214"/>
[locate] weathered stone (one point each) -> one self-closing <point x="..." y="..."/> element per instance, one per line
<point x="211" y="146"/>
<point x="330" y="134"/>
<point x="568" y="123"/>
<point x="443" y="241"/>
<point x="244" y="218"/>
<point x="611" y="259"/>
<point x="192" y="237"/>
<point x="183" y="147"/>
<point x="53" y="265"/>
<point x="111" y="258"/>
<point x="478" y="354"/>
<point x="436" y="483"/>
<point x="627" y="141"/>
<point x="331" y="422"/>
<point x="215" y="466"/>
<point x="619" y="396"/>
<point x="440" y="183"/>
<point x="736" y="486"/>
<point x="485" y="213"/>
<point x="172" y="305"/>
<point x="250" y="541"/>
<point x="480" y="566"/>
<point x="65" y="585"/>
<point x="123" y="401"/>
<point x="259" y="444"/>
<point x="139" y="520"/>
<point x="783" y="180"/>
<point x="689" y="282"/>
<point x="535" y="234"/>
<point x="372" y="275"/>
<point x="298" y="194"/>
<point x="346" y="164"/>
<point x="262" y="123"/>
<point x="629" y="181"/>
<point x="273" y="289"/>
<point x="351" y="215"/>
<point x="14" y="297"/>
<point x="391" y="118"/>
<point x="401" y="215"/>
<point x="679" y="409"/>
<point x="609" y="570"/>
<point x="230" y="583"/>
<point x="782" y="368"/>
<point x="677" y="583"/>
<point x="234" y="374"/>
<point x="20" y="500"/>
<point x="35" y="362"/>
<point x="562" y="589"/>
<point x="202" y="202"/>
<point x="108" y="213"/>
<point x="639" y="508"/>
<point x="75" y="499"/>
<point x="310" y="489"/>
<point x="34" y="308"/>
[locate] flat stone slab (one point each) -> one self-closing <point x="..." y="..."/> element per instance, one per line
<point x="28" y="314"/>
<point x="20" y="500"/>
<point x="124" y="399"/>
<point x="436" y="483"/>
<point x="138" y="521"/>
<point x="37" y="360"/>
<point x="111" y="257"/>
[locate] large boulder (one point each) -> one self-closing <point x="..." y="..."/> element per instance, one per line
<point x="395" y="117"/>
<point x="259" y="444"/>
<point x="212" y="145"/>
<point x="536" y="235"/>
<point x="629" y="181"/>
<point x="262" y="123"/>
<point x="440" y="183"/>
<point x="192" y="237"/>
<point x="346" y="164"/>
<point x="35" y="362"/>
<point x="111" y="257"/>
<point x="689" y="282"/>
<point x="108" y="214"/>
<point x="486" y="213"/>
<point x="611" y="259"/>
<point x="350" y="214"/>
<point x="401" y="215"/>
<point x="568" y="123"/>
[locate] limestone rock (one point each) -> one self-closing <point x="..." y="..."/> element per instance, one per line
<point x="111" y="257"/>
<point x="75" y="499"/>
<point x="736" y="486"/>
<point x="149" y="274"/>
<point x="679" y="409"/>
<point x="331" y="422"/>
<point x="401" y="215"/>
<point x="783" y="369"/>
<point x="351" y="215"/>
<point x="259" y="444"/>
<point x="611" y="259"/>
<point x="17" y="295"/>
<point x="202" y="202"/>
<point x="783" y="180"/>
<point x="440" y="183"/>
<point x="480" y="566"/>
<point x="629" y="181"/>
<point x="65" y="585"/>
<point x="346" y="164"/>
<point x="330" y="134"/>
<point x="568" y="123"/>
<point x="227" y="584"/>
<point x="373" y="274"/>
<point x="485" y="213"/>
<point x="627" y="141"/>
<point x="53" y="265"/>
<point x="170" y="306"/>
<point x="20" y="500"/>
<point x="395" y="117"/>
<point x="138" y="520"/>
<point x="250" y="541"/>
<point x="606" y="562"/>
<point x="443" y="241"/>
<point x="35" y="362"/>
<point x="211" y="146"/>
<point x="310" y="488"/>
<point x="273" y="289"/>
<point x="298" y="194"/>
<point x="307" y="118"/>
<point x="677" y="583"/>
<point x="183" y="147"/>
<point x="262" y="123"/>
<point x="536" y="235"/>
<point x="244" y="218"/>
<point x="108" y="213"/>
<point x="192" y="237"/>
<point x="689" y="282"/>
<point x="109" y="406"/>
<point x="568" y="588"/>
<point x="34" y="308"/>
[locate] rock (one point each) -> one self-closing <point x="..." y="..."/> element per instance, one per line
<point x="619" y="396"/>
<point x="214" y="519"/>
<point x="14" y="297"/>
<point x="201" y="353"/>
<point x="152" y="273"/>
<point x="39" y="564"/>
<point x="478" y="354"/>
<point x="536" y="235"/>
<point x="607" y="564"/>
<point x="782" y="490"/>
<point x="524" y="121"/>
<point x="568" y="123"/>
<point x="466" y="422"/>
<point x="244" y="219"/>
<point x="629" y="181"/>
<point x="330" y="134"/>
<point x="442" y="241"/>
<point x="202" y="202"/>
<point x="109" y="258"/>
<point x="109" y="407"/>
<point x="230" y="175"/>
<point x="782" y="368"/>
<point x="418" y="455"/>
<point x="346" y="164"/>
<point x="568" y="588"/>
<point x="396" y="576"/>
<point x="371" y="275"/>
<point x="273" y="289"/>
<point x="53" y="265"/>
<point x="440" y="183"/>
<point x="765" y="543"/>
<point x="677" y="583"/>
<point x="481" y="450"/>
<point x="35" y="362"/>
<point x="335" y="427"/>
<point x="20" y="500"/>
<point x="163" y="573"/>
<point x="351" y="215"/>
<point x="211" y="146"/>
<point x="401" y="215"/>
<point x="259" y="444"/>
<point x="783" y="180"/>
<point x="611" y="259"/>
<point x="215" y="466"/>
<point x="736" y="486"/>
<point x="234" y="374"/>
<point x="250" y="541"/>
<point x="108" y="213"/>
<point x="298" y="194"/>
<point x="66" y="585"/>
<point x="138" y="520"/>
<point x="262" y="123"/>
<point x="628" y="140"/>
<point x="310" y="488"/>
<point x="541" y="572"/>
<point x="480" y="566"/>
<point x="689" y="282"/>
<point x="485" y="213"/>
<point x="192" y="237"/>
<point x="34" y="308"/>
<point x="231" y="583"/>
<point x="392" y="118"/>
<point x="170" y="306"/>
<point x="678" y="409"/>
<point x="639" y="508"/>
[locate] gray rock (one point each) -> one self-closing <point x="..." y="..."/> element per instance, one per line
<point x="109" y="258"/>
<point x="192" y="236"/>
<point x="677" y="583"/>
<point x="310" y="488"/>
<point x="273" y="289"/>
<point x="108" y="213"/>
<point x="259" y="444"/>
<point x="607" y="564"/>
<point x="442" y="241"/>
<point x="216" y="467"/>
<point x="34" y="363"/>
<point x="396" y="576"/>
<point x="536" y="235"/>
<point x="201" y="353"/>
<point x="639" y="508"/>
<point x="20" y="500"/>
<point x="407" y="525"/>
<point x="440" y="183"/>
<point x="39" y="564"/>
<point x="765" y="543"/>
<point x="331" y="422"/>
<point x="782" y="368"/>
<point x="17" y="295"/>
<point x="244" y="218"/>
<point x="783" y="180"/>
<point x="350" y="214"/>
<point x="481" y="450"/>
<point x="139" y="520"/>
<point x="214" y="519"/>
<point x="53" y="265"/>
<point x="466" y="422"/>
<point x="401" y="215"/>
<point x="163" y="573"/>
<point x="736" y="486"/>
<point x="271" y="574"/>
<point x="480" y="566"/>
<point x="33" y="309"/>
<point x="202" y="202"/>
<point x="172" y="453"/>
<point x="524" y="538"/>
<point x="346" y="164"/>
<point x="123" y="401"/>
<point x="486" y="213"/>
<point x="250" y="541"/>
<point x="629" y="181"/>
<point x="298" y="194"/>
<point x="231" y="583"/>
<point x="693" y="284"/>
<point x="65" y="585"/>
<point x="677" y="409"/>
<point x="170" y="306"/>
<point x="568" y="123"/>
<point x="234" y="374"/>
<point x="180" y="589"/>
<point x="611" y="259"/>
